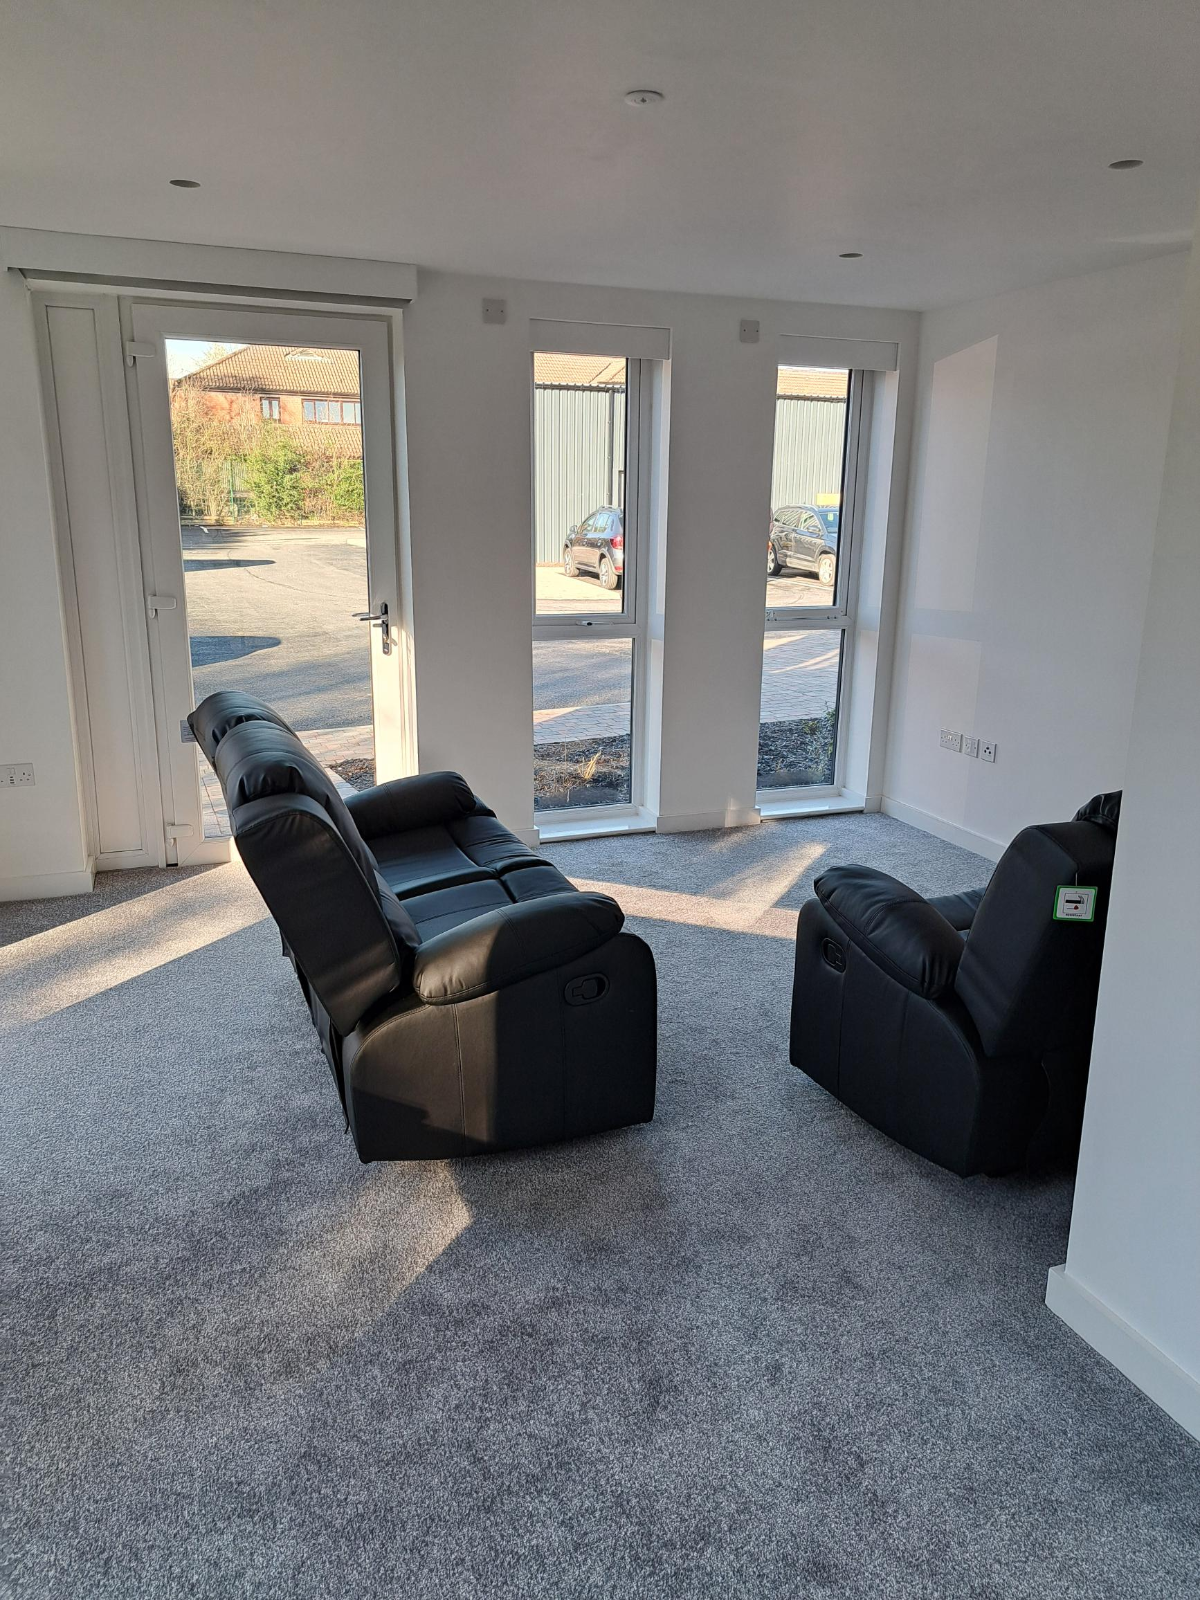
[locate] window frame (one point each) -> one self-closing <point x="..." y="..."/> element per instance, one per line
<point x="842" y="614"/>
<point x="270" y="407"/>
<point x="631" y="622"/>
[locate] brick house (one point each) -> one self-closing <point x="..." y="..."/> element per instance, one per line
<point x="312" y="393"/>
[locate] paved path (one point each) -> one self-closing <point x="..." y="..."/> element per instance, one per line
<point x="271" y="612"/>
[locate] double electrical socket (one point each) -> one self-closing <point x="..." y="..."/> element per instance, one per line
<point x="17" y="776"/>
<point x="968" y="744"/>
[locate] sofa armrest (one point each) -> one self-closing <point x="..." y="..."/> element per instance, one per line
<point x="511" y="943"/>
<point x="895" y="926"/>
<point x="407" y="803"/>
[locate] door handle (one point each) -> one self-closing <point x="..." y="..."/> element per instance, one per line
<point x="381" y="617"/>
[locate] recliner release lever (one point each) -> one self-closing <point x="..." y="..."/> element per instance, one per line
<point x="582" y="991"/>
<point x="835" y="956"/>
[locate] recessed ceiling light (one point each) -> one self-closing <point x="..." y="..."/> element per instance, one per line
<point x="184" y="183"/>
<point x="1124" y="166"/>
<point x="643" y="97"/>
<point x="850" y="255"/>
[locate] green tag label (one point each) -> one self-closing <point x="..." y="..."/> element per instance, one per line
<point x="1073" y="903"/>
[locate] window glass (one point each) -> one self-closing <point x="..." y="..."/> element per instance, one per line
<point x="582" y="722"/>
<point x="579" y="451"/>
<point x="798" y="710"/>
<point x="274" y="548"/>
<point x="811" y="410"/>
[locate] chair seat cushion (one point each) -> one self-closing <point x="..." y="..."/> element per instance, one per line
<point x="958" y="909"/>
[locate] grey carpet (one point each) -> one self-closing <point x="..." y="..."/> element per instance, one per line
<point x="752" y="1349"/>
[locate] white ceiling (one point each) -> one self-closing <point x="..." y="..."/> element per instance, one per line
<point x="961" y="145"/>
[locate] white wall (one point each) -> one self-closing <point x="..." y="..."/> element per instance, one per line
<point x="1041" y="432"/>
<point x="42" y="848"/>
<point x="1132" y="1278"/>
<point x="466" y="396"/>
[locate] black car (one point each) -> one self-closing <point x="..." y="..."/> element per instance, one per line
<point x="597" y="545"/>
<point x="805" y="537"/>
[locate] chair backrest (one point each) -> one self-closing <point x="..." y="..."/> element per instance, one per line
<point x="1028" y="979"/>
<point x="350" y="936"/>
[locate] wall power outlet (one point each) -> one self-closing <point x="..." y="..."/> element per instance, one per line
<point x="987" y="751"/>
<point x="18" y="775"/>
<point x="951" y="741"/>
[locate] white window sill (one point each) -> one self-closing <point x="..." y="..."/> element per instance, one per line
<point x="799" y="805"/>
<point x="554" y="826"/>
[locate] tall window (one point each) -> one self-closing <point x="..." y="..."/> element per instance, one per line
<point x="587" y="621"/>
<point x="809" y="618"/>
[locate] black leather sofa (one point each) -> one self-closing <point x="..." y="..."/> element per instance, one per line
<point x="960" y="1026"/>
<point x="468" y="998"/>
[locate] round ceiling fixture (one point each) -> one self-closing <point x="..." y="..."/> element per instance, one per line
<point x="644" y="97"/>
<point x="184" y="183"/>
<point x="850" y="255"/>
<point x="1124" y="166"/>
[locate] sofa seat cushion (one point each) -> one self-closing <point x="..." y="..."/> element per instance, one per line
<point x="531" y="883"/>
<point x="487" y="842"/>
<point x="422" y="859"/>
<point x="446" y="908"/>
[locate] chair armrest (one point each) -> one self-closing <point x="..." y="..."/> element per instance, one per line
<point x="511" y="943"/>
<point x="893" y="925"/>
<point x="407" y="803"/>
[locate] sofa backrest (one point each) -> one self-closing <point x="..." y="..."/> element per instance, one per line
<point x="216" y="715"/>
<point x="350" y="936"/>
<point x="1028" y="980"/>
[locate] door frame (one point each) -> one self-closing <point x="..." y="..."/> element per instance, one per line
<point x="147" y="324"/>
<point x="112" y="413"/>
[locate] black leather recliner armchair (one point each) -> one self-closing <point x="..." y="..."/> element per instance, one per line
<point x="960" y="1026"/>
<point x="468" y="998"/>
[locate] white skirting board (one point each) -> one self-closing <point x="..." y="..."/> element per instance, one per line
<point x="49" y="885"/>
<point x="699" y="821"/>
<point x="1143" y="1363"/>
<point x="993" y="849"/>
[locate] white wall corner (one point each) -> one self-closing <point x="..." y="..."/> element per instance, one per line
<point x="1143" y="1363"/>
<point x="49" y="885"/>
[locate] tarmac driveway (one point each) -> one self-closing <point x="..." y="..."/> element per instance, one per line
<point x="271" y="612"/>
